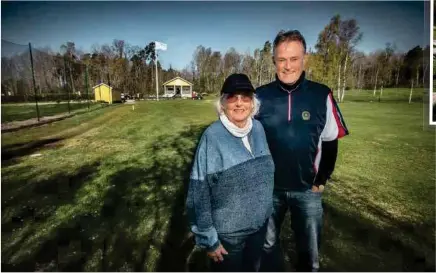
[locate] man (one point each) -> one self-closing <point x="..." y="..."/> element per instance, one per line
<point x="303" y="124"/>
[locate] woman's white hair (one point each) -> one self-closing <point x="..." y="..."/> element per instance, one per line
<point x="220" y="105"/>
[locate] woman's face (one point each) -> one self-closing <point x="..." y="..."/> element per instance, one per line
<point x="238" y="108"/>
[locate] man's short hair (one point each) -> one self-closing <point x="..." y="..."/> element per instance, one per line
<point x="288" y="36"/>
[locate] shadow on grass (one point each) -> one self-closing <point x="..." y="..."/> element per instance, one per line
<point x="22" y="149"/>
<point x="138" y="221"/>
<point x="166" y="244"/>
<point x="353" y="243"/>
<point x="178" y="243"/>
<point x="27" y="204"/>
<point x="11" y="152"/>
<point x="396" y="248"/>
<point x="139" y="226"/>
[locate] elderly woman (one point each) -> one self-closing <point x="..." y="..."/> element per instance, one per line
<point x="231" y="184"/>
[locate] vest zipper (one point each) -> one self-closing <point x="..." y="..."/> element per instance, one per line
<point x="289" y="106"/>
<point x="289" y="101"/>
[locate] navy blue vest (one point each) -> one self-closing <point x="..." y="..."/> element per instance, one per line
<point x="293" y="123"/>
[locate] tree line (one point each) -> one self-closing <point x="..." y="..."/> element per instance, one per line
<point x="334" y="61"/>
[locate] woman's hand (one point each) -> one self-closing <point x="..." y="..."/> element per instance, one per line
<point x="217" y="255"/>
<point x="319" y="188"/>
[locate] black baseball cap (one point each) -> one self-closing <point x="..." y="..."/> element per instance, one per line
<point x="237" y="83"/>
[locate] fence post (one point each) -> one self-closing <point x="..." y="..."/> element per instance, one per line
<point x="34" y="82"/>
<point x="65" y="81"/>
<point x="86" y="84"/>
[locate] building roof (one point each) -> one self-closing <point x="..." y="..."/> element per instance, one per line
<point x="177" y="79"/>
<point x="101" y="84"/>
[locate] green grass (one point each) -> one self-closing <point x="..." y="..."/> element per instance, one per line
<point x="388" y="95"/>
<point x="108" y="191"/>
<point x="24" y="111"/>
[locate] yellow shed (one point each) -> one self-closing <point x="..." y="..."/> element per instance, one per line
<point x="104" y="92"/>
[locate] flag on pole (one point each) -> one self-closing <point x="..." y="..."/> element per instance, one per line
<point x="161" y="46"/>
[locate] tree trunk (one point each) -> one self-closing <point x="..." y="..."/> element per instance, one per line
<point x="343" y="93"/>
<point x="344" y="78"/>
<point x="207" y="83"/>
<point x="339" y="83"/>
<point x="71" y="79"/>
<point x="46" y="81"/>
<point x="398" y="76"/>
<point x="359" y="77"/>
<point x="423" y="75"/>
<point x="375" y="85"/>
<point x="15" y="87"/>
<point x="152" y="80"/>
<point x="411" y="91"/>
<point x="390" y="77"/>
<point x="260" y="72"/>
<point x="381" y="92"/>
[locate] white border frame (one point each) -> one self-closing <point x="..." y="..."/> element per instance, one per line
<point x="430" y="88"/>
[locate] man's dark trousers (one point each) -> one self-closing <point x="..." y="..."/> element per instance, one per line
<point x="306" y="222"/>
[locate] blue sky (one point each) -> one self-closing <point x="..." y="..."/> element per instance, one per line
<point x="219" y="25"/>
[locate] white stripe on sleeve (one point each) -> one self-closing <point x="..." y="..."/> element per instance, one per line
<point x="331" y="129"/>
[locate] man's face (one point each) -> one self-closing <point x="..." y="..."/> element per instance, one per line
<point x="289" y="61"/>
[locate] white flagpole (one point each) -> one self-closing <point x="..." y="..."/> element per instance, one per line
<point x="161" y="46"/>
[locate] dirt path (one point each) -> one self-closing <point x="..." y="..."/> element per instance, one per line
<point x="17" y="125"/>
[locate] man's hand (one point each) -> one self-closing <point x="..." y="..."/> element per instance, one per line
<point x="217" y="255"/>
<point x="319" y="188"/>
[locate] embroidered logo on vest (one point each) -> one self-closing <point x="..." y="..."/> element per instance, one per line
<point x="305" y="115"/>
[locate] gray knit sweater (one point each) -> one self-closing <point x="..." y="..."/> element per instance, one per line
<point x="230" y="189"/>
